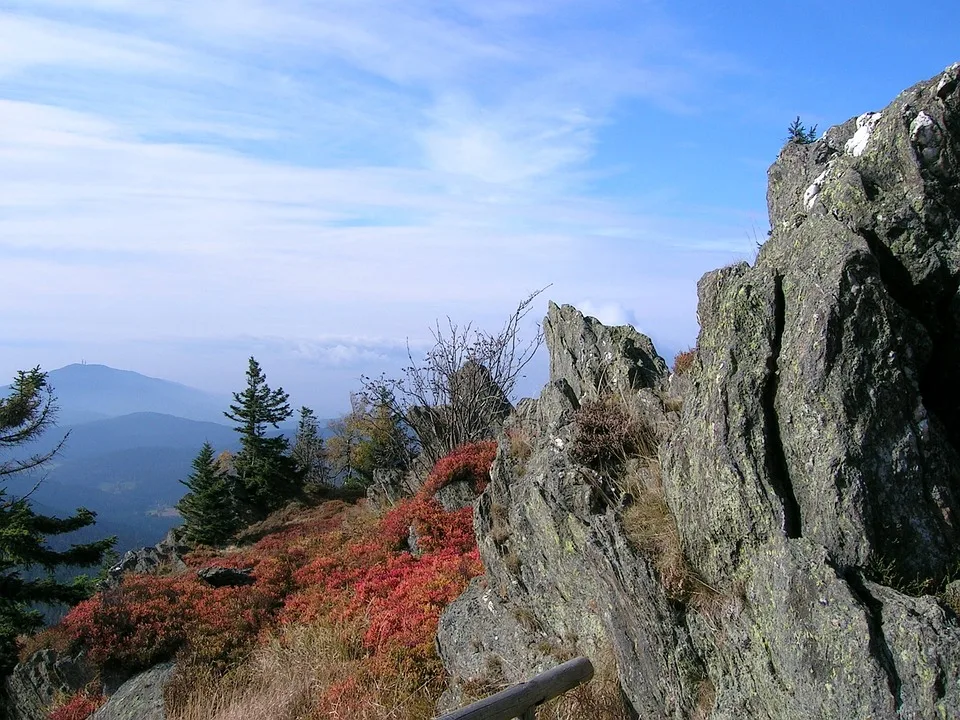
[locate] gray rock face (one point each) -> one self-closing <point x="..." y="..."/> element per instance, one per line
<point x="593" y="359"/>
<point x="455" y="495"/>
<point x="818" y="450"/>
<point x="139" y="698"/>
<point x="561" y="577"/>
<point x="388" y="488"/>
<point x="814" y="474"/>
<point x="226" y="577"/>
<point x="168" y="552"/>
<point x="35" y="684"/>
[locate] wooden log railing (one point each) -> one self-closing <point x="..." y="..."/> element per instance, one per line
<point x="521" y="701"/>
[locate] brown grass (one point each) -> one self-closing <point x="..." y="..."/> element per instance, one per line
<point x="519" y="445"/>
<point x="512" y="562"/>
<point x="650" y="525"/>
<point x="288" y="679"/>
<point x="607" y="434"/>
<point x="599" y="699"/>
<point x="500" y="530"/>
<point x="706" y="700"/>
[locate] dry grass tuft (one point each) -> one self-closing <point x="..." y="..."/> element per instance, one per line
<point x="519" y="445"/>
<point x="500" y="530"/>
<point x="607" y="434"/>
<point x="512" y="562"/>
<point x="309" y="672"/>
<point x="649" y="523"/>
<point x="600" y="699"/>
<point x="706" y="700"/>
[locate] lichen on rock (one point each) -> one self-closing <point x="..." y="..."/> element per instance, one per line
<point x="814" y="475"/>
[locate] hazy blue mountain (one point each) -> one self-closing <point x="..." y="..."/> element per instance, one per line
<point x="94" y="392"/>
<point x="130" y="439"/>
<point x="126" y="469"/>
<point x="136" y="430"/>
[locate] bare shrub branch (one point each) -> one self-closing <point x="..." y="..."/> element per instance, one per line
<point x="463" y="388"/>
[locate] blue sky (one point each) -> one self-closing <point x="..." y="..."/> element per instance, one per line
<point x="184" y="183"/>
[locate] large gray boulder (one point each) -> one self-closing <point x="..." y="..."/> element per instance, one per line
<point x="35" y="684"/>
<point x="140" y="697"/>
<point x="816" y="471"/>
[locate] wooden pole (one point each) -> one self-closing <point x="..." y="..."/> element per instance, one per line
<point x="520" y="701"/>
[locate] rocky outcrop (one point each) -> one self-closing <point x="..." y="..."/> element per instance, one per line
<point x="388" y="487"/>
<point x="218" y="576"/>
<point x="814" y="474"/>
<point x="167" y="553"/>
<point x="561" y="576"/>
<point x="817" y="466"/>
<point x="35" y="684"/>
<point x="140" y="697"/>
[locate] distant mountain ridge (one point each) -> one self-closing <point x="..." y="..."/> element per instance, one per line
<point x="130" y="440"/>
<point x="96" y="392"/>
<point x="135" y="430"/>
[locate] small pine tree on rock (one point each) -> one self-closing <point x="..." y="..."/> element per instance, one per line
<point x="208" y="510"/>
<point x="798" y="133"/>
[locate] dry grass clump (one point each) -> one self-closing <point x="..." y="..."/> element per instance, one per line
<point x="307" y="673"/>
<point x="649" y="523"/>
<point x="607" y="434"/>
<point x="500" y="531"/>
<point x="706" y="700"/>
<point x="519" y="445"/>
<point x="600" y="699"/>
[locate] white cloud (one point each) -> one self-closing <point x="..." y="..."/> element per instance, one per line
<point x="32" y="42"/>
<point x="331" y="174"/>
<point x="609" y="313"/>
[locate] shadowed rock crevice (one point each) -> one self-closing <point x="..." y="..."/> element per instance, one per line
<point x="776" y="459"/>
<point x="936" y="311"/>
<point x="879" y="649"/>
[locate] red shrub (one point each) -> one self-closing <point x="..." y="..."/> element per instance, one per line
<point x="470" y="463"/>
<point x="684" y="361"/>
<point x="79" y="706"/>
<point x="150" y="618"/>
<point x="336" y="563"/>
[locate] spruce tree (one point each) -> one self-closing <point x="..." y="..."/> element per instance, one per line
<point x="208" y="511"/>
<point x="309" y="451"/>
<point x="25" y="414"/>
<point x="267" y="477"/>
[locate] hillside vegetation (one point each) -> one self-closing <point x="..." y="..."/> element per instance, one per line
<point x="339" y="620"/>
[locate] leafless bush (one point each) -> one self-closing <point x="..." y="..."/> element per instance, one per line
<point x="462" y="389"/>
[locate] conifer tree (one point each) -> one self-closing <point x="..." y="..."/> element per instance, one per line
<point x="309" y="451"/>
<point x="267" y="477"/>
<point x="208" y="511"/>
<point x="25" y="413"/>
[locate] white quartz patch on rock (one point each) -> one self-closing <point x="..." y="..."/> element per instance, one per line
<point x="865" y="125"/>
<point x="925" y="134"/>
<point x="810" y="194"/>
